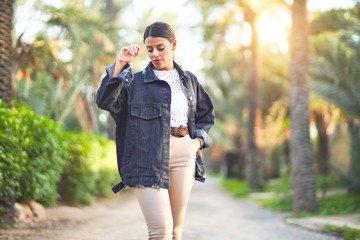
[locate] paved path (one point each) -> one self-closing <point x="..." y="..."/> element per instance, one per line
<point x="213" y="214"/>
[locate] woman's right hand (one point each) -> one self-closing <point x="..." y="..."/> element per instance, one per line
<point x="126" y="55"/>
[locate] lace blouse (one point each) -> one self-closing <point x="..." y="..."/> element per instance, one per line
<point x="179" y="103"/>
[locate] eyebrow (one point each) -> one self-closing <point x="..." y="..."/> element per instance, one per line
<point x="155" y="46"/>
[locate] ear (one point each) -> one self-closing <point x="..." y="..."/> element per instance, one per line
<point x="174" y="45"/>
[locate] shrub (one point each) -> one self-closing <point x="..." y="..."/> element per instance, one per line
<point x="33" y="150"/>
<point x="39" y="160"/>
<point x="90" y="170"/>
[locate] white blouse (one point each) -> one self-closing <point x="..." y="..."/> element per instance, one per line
<point x="179" y="103"/>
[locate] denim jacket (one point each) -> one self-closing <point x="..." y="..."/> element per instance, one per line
<point x="140" y="106"/>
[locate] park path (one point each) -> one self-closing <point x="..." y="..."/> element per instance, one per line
<point x="213" y="214"/>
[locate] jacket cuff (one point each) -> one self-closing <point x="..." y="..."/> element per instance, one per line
<point x="205" y="136"/>
<point x="125" y="75"/>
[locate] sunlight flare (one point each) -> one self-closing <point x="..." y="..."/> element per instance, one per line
<point x="273" y="29"/>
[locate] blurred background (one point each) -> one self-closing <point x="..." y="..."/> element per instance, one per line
<point x="240" y="51"/>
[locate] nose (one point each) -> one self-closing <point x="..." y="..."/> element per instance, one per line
<point x="155" y="53"/>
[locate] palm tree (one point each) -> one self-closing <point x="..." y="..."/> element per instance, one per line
<point x="237" y="76"/>
<point x="6" y="13"/>
<point x="227" y="73"/>
<point x="303" y="174"/>
<point x="353" y="178"/>
<point x="254" y="158"/>
<point x="90" y="37"/>
<point x="322" y="119"/>
<point x="338" y="83"/>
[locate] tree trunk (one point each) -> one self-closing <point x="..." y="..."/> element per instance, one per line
<point x="6" y="12"/>
<point x="7" y="200"/>
<point x="354" y="170"/>
<point x="254" y="161"/>
<point x="323" y="143"/>
<point x="303" y="174"/>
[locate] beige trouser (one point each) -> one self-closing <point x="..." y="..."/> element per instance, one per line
<point x="164" y="210"/>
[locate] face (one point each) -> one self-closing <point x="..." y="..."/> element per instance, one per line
<point x="160" y="52"/>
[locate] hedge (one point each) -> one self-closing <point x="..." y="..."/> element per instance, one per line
<point x="33" y="151"/>
<point x="40" y="161"/>
<point x="90" y="170"/>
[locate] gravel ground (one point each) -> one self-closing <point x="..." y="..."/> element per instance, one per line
<point x="213" y="214"/>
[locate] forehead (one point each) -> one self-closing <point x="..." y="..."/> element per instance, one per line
<point x="155" y="41"/>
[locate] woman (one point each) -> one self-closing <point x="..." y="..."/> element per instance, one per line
<point x="162" y="117"/>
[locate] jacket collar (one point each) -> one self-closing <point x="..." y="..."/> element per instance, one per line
<point x="149" y="75"/>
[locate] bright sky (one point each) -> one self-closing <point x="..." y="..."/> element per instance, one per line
<point x="314" y="5"/>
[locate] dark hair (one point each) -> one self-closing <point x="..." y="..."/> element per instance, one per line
<point x="159" y="29"/>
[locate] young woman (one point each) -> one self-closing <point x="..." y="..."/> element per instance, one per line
<point x="162" y="117"/>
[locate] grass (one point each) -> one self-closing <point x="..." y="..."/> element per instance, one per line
<point x="236" y="187"/>
<point x="282" y="201"/>
<point x="340" y="204"/>
<point x="330" y="205"/>
<point x="346" y="233"/>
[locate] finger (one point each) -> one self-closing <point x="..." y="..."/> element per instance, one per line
<point x="135" y="50"/>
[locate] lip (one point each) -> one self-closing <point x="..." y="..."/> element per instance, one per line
<point x="157" y="61"/>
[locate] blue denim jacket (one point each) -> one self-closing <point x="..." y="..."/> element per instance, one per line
<point x="140" y="106"/>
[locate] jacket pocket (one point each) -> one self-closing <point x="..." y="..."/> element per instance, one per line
<point x="146" y="111"/>
<point x="146" y="133"/>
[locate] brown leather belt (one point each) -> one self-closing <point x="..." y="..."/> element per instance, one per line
<point x="179" y="132"/>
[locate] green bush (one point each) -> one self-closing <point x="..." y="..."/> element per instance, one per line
<point x="33" y="150"/>
<point x="90" y="170"/>
<point x="40" y="161"/>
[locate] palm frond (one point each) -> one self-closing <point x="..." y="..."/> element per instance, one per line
<point x="334" y="72"/>
<point x="340" y="97"/>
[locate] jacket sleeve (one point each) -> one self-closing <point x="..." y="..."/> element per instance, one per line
<point x="109" y="92"/>
<point x="204" y="116"/>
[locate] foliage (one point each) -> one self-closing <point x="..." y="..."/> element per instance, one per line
<point x="33" y="150"/>
<point x="63" y="62"/>
<point x="328" y="205"/>
<point x="236" y="187"/>
<point x="283" y="192"/>
<point x="40" y="161"/>
<point x="326" y="183"/>
<point x="335" y="72"/>
<point x="90" y="169"/>
<point x="344" y="232"/>
<point x="340" y="204"/>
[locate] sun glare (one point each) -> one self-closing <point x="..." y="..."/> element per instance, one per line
<point x="273" y="29"/>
